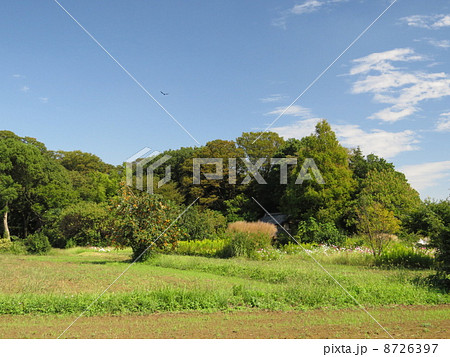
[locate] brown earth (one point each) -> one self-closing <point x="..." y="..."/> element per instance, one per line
<point x="400" y="322"/>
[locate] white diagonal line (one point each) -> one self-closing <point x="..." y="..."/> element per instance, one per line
<point x="128" y="73"/>
<point x="326" y="271"/>
<point x="127" y="268"/>
<point x="325" y="70"/>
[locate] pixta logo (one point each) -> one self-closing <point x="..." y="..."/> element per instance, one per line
<point x="148" y="161"/>
<point x="143" y="159"/>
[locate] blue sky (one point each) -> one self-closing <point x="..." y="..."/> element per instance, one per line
<point x="230" y="67"/>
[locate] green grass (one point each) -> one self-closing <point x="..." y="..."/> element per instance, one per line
<point x="67" y="281"/>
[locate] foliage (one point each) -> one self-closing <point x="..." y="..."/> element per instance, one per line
<point x="324" y="202"/>
<point x="200" y="223"/>
<point x="205" y="248"/>
<point x="311" y="231"/>
<point x="442" y="243"/>
<point x="212" y="193"/>
<point x="33" y="180"/>
<point x="84" y="224"/>
<point x="240" y="208"/>
<point x="268" y="229"/>
<point x="408" y="257"/>
<point x="392" y="190"/>
<point x="37" y="243"/>
<point x="143" y="222"/>
<point x="377" y="223"/>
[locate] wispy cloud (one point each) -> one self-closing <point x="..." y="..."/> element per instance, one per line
<point x="431" y="22"/>
<point x="439" y="43"/>
<point x="306" y="7"/>
<point x="443" y="124"/>
<point x="43" y="100"/>
<point x="25" y="89"/>
<point x="18" y="76"/>
<point x="427" y="174"/>
<point x="273" y="98"/>
<point x="401" y="89"/>
<point x="294" y="110"/>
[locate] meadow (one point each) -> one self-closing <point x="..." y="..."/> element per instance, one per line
<point x="62" y="284"/>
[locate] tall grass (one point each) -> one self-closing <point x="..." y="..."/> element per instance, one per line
<point x="253" y="228"/>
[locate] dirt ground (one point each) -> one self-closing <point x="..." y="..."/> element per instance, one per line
<point x="401" y="322"/>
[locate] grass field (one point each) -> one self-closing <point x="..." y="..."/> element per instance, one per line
<point x="176" y="294"/>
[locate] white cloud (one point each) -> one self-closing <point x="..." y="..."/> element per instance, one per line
<point x="272" y="98"/>
<point x="395" y="86"/>
<point x="298" y="129"/>
<point x="43" y="100"/>
<point x="379" y="142"/>
<point x="426" y="175"/>
<point x="443" y="123"/>
<point x="431" y="22"/>
<point x="293" y="110"/>
<point x="25" y="89"/>
<point x="18" y="76"/>
<point x="439" y="43"/>
<point x="307" y="7"/>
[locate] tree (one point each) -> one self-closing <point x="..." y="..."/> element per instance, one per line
<point x="32" y="182"/>
<point x="324" y="202"/>
<point x="213" y="192"/>
<point x="392" y="190"/>
<point x="376" y="223"/>
<point x="143" y="222"/>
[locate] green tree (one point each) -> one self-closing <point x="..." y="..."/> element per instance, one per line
<point x="213" y="192"/>
<point x="83" y="223"/>
<point x="324" y="202"/>
<point x="34" y="181"/>
<point x="143" y="222"/>
<point x="392" y="190"/>
<point x="376" y="223"/>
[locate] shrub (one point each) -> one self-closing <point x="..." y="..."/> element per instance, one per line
<point x="206" y="247"/>
<point x="245" y="244"/>
<point x="408" y="257"/>
<point x="268" y="229"/>
<point x="83" y="223"/>
<point x="202" y="224"/>
<point x="37" y="243"/>
<point x="311" y="231"/>
<point x="144" y="222"/>
<point x="442" y="244"/>
<point x="5" y="244"/>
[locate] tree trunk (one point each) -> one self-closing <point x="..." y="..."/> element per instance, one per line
<point x="6" y="234"/>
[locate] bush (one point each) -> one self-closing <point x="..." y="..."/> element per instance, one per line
<point x="205" y="248"/>
<point x="311" y="231"/>
<point x="5" y="244"/>
<point x="37" y="243"/>
<point x="399" y="255"/>
<point x="144" y="222"/>
<point x="83" y="223"/>
<point x="202" y="224"/>
<point x="442" y="244"/>
<point x="267" y="229"/>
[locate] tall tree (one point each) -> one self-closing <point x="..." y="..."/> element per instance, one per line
<point x="324" y="202"/>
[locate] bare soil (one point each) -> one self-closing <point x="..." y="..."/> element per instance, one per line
<point x="400" y="321"/>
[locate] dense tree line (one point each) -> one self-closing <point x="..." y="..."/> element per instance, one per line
<point x="74" y="198"/>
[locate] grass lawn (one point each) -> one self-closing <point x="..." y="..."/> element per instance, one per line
<point x="292" y="294"/>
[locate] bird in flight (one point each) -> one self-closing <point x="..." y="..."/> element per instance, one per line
<point x="164" y="93"/>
